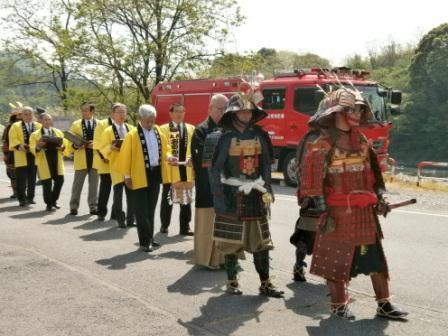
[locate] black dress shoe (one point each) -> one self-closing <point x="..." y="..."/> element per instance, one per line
<point x="163" y="230"/>
<point x="31" y="202"/>
<point x="131" y="224"/>
<point x="188" y="233"/>
<point x="94" y="212"/>
<point x="23" y="204"/>
<point x="147" y="248"/>
<point x="155" y="243"/>
<point x="73" y="212"/>
<point x="121" y="224"/>
<point x="56" y="206"/>
<point x="49" y="208"/>
<point x="101" y="219"/>
<point x="13" y="196"/>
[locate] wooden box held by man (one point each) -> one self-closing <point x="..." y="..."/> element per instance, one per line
<point x="240" y="179"/>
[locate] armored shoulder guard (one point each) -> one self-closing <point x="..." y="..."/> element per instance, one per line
<point x="210" y="142"/>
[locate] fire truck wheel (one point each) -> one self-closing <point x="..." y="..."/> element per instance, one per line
<point x="289" y="169"/>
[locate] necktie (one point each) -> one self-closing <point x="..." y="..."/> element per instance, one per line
<point x="89" y="127"/>
<point x="121" y="131"/>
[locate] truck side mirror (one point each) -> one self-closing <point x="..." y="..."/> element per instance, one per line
<point x="382" y="92"/>
<point x="395" y="97"/>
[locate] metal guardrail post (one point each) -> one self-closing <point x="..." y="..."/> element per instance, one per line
<point x="424" y="164"/>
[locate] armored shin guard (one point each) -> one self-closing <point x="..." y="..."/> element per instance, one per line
<point x="299" y="271"/>
<point x="261" y="262"/>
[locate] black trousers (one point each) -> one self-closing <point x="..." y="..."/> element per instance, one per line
<point x="145" y="201"/>
<point x="52" y="189"/>
<point x="166" y="209"/>
<point x="104" y="193"/>
<point x="117" y="206"/>
<point x="26" y="182"/>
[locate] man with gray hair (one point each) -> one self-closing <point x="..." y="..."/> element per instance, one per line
<point x="142" y="153"/>
<point x="205" y="137"/>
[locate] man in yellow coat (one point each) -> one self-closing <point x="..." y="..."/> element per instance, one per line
<point x="180" y="171"/>
<point x="25" y="167"/>
<point x="103" y="169"/>
<point x="47" y="145"/>
<point x="85" y="159"/>
<point x="112" y="138"/>
<point x="142" y="153"/>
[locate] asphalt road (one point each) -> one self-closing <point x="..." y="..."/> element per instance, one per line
<point x="61" y="275"/>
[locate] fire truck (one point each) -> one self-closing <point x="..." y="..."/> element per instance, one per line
<point x="289" y="100"/>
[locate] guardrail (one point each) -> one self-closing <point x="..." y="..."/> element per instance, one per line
<point x="424" y="164"/>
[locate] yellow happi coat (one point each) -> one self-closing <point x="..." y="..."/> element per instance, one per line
<point x="41" y="158"/>
<point x="79" y="158"/>
<point x="131" y="161"/>
<point x="107" y="139"/>
<point x="16" y="138"/>
<point x="173" y="174"/>
<point x="102" y="167"/>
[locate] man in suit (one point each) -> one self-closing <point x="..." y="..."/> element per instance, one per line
<point x="140" y="161"/>
<point x="205" y="251"/>
<point x="179" y="167"/>
<point x="86" y="160"/>
<point x="112" y="138"/>
<point x="103" y="169"/>
<point x="49" y="160"/>
<point x="25" y="167"/>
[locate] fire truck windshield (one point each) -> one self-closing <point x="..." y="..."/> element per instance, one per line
<point x="307" y="99"/>
<point x="376" y="102"/>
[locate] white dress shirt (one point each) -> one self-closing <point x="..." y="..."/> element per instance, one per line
<point x="152" y="145"/>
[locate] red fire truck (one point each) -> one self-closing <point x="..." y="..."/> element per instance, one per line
<point x="289" y="99"/>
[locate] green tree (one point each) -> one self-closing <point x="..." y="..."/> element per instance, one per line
<point x="138" y="43"/>
<point x="43" y="34"/>
<point x="424" y="126"/>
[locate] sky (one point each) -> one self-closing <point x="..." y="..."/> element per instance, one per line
<point x="334" y="29"/>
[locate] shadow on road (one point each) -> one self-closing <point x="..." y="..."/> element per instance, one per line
<point x="179" y="255"/>
<point x="7" y="200"/>
<point x="198" y="280"/>
<point x="120" y="261"/>
<point x="14" y="208"/>
<point x="111" y="233"/>
<point x="95" y="225"/>
<point x="334" y="326"/>
<point x="226" y="313"/>
<point x="32" y="214"/>
<point x="67" y="219"/>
